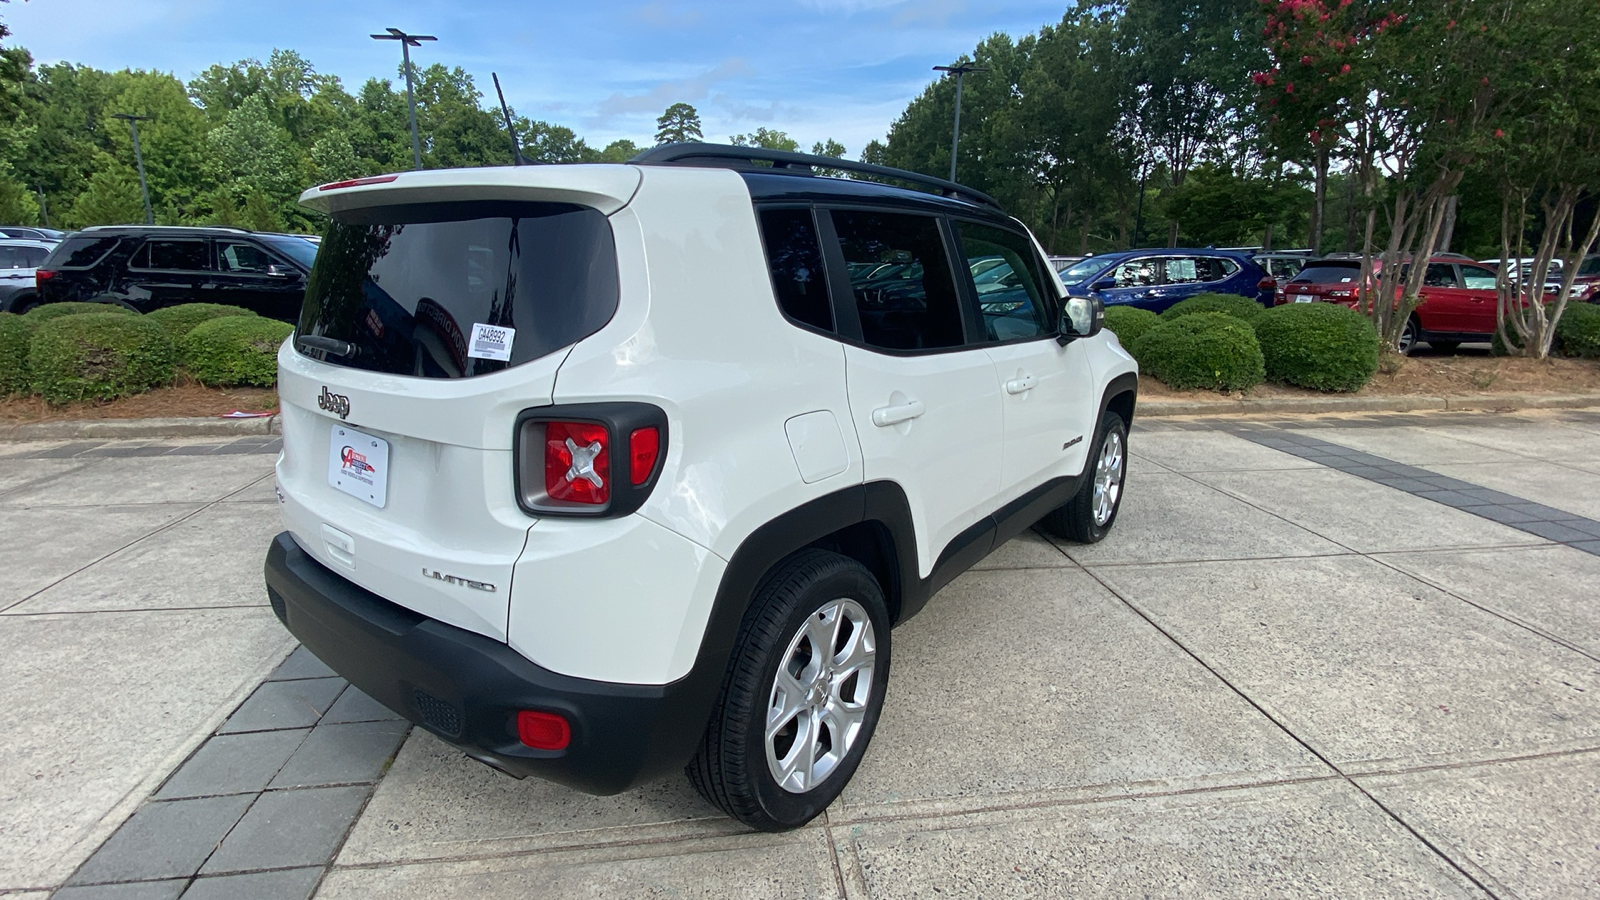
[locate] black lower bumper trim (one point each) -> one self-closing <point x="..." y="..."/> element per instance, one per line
<point x="467" y="688"/>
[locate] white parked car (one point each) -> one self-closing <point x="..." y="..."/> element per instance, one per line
<point x="18" y="261"/>
<point x="599" y="472"/>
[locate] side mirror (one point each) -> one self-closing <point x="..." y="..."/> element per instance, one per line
<point x="1081" y="317"/>
<point x="277" y="271"/>
<point x="1103" y="285"/>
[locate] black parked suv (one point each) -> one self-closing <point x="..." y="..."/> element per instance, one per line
<point x="146" y="267"/>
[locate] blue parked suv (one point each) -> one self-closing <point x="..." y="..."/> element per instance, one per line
<point x="1156" y="279"/>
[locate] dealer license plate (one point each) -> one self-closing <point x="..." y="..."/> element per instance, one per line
<point x="358" y="464"/>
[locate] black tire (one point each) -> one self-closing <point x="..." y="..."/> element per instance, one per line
<point x="1409" y="336"/>
<point x="732" y="769"/>
<point x="1078" y="519"/>
<point x="1444" y="346"/>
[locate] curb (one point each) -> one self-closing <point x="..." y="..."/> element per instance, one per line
<point x="128" y="429"/>
<point x="1165" y="408"/>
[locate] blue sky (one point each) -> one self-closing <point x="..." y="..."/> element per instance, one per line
<point x="814" y="68"/>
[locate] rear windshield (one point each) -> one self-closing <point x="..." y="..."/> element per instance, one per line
<point x="459" y="289"/>
<point x="1321" y="274"/>
<point x="81" y="251"/>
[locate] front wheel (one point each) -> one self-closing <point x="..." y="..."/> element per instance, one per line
<point x="802" y="694"/>
<point x="1091" y="512"/>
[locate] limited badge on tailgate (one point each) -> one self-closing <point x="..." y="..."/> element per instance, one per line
<point x="358" y="464"/>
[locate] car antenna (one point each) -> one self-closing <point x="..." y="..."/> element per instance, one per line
<point x="516" y="145"/>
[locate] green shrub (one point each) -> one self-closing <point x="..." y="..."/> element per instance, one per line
<point x="1578" y="332"/>
<point x="181" y="319"/>
<point x="98" y="357"/>
<point x="234" y="350"/>
<point x="1322" y="346"/>
<point x="13" y="354"/>
<point x="1229" y="304"/>
<point x="1204" y="350"/>
<point x="41" y="314"/>
<point x="1130" y="324"/>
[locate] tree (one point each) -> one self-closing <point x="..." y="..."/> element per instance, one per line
<point x="829" y="148"/>
<point x="1189" y="64"/>
<point x="251" y="156"/>
<point x="172" y="142"/>
<point x="767" y="139"/>
<point x="111" y="198"/>
<point x="619" y="151"/>
<point x="1542" y="145"/>
<point x="679" y="124"/>
<point x="334" y="159"/>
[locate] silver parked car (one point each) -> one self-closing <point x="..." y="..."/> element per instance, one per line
<point x="18" y="260"/>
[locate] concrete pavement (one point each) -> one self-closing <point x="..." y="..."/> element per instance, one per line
<point x="1284" y="674"/>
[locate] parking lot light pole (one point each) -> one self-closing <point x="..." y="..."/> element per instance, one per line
<point x="138" y="159"/>
<point x="407" y="41"/>
<point x="959" y="72"/>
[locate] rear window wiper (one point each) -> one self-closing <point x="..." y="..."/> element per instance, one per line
<point x="326" y="345"/>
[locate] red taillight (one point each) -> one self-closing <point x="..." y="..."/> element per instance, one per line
<point x="577" y="462"/>
<point x="40" y="276"/>
<point x="644" y="445"/>
<point x="357" y="182"/>
<point x="542" y="730"/>
<point x="1267" y="284"/>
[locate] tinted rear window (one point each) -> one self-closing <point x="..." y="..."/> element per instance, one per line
<point x="406" y="285"/>
<point x="1319" y="274"/>
<point x="81" y="251"/>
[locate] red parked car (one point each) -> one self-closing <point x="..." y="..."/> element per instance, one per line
<point x="1457" y="298"/>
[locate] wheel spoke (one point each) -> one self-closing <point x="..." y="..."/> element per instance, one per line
<point x="788" y="699"/>
<point x="860" y="651"/>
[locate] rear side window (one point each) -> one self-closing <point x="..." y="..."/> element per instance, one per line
<point x="1005" y="274"/>
<point x="901" y="279"/>
<point x="21" y="257"/>
<point x="82" y="251"/>
<point x="453" y="290"/>
<point x="794" y="256"/>
<point x="1315" y="274"/>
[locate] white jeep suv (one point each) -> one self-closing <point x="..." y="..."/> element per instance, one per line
<point x="601" y="471"/>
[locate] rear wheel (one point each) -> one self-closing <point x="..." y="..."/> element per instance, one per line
<point x="1091" y="512"/>
<point x="1408" y="336"/>
<point x="802" y="694"/>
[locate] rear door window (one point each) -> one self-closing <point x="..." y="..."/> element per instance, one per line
<point x="1182" y="270"/>
<point x="1441" y="275"/>
<point x="1477" y="278"/>
<point x="172" y="255"/>
<point x="904" y="291"/>
<point x="794" y="257"/>
<point x="1005" y="275"/>
<point x="452" y="290"/>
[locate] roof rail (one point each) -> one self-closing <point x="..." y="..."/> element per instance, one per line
<point x="785" y="162"/>
<point x="172" y="228"/>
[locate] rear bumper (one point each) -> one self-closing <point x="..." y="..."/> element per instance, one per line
<point x="467" y="688"/>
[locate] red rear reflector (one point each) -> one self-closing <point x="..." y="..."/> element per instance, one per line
<point x="542" y="730"/>
<point x="643" y="447"/>
<point x="357" y="182"/>
<point x="577" y="462"/>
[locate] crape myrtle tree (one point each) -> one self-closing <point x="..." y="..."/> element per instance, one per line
<point x="1413" y="105"/>
<point x="1544" y="153"/>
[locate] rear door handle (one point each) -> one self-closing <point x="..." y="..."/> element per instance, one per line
<point x="885" y="416"/>
<point x="1021" y="384"/>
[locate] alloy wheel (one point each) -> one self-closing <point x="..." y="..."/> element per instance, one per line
<point x="820" y="695"/>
